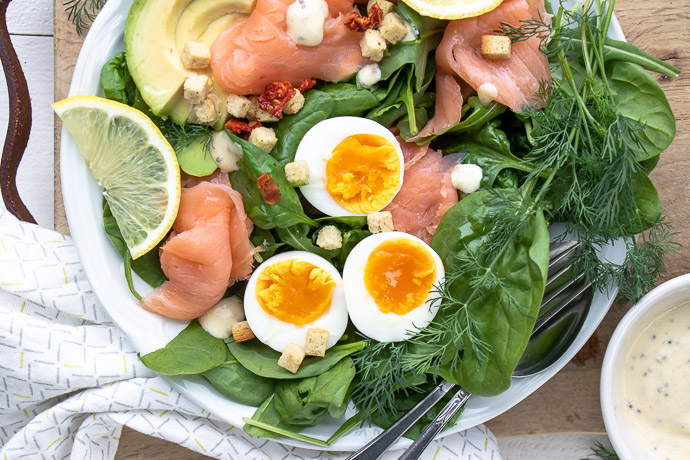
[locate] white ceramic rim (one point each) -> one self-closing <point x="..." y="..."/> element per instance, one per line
<point x="147" y="331"/>
<point x="650" y="306"/>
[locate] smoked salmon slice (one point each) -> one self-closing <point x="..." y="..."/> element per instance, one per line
<point x="427" y="191"/>
<point x="517" y="79"/>
<point x="208" y="250"/>
<point x="257" y="50"/>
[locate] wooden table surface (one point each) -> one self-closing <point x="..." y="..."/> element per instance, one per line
<point x="569" y="402"/>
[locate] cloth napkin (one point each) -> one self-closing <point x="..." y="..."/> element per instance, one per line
<point x="70" y="380"/>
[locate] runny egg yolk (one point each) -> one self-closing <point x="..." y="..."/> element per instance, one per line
<point x="363" y="174"/>
<point x="294" y="291"/>
<point x="399" y="275"/>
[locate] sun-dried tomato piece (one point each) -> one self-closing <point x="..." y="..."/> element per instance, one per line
<point x="358" y="23"/>
<point x="269" y="189"/>
<point x="306" y="84"/>
<point x="275" y="96"/>
<point x="239" y="126"/>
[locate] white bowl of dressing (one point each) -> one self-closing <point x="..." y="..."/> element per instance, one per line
<point x="645" y="377"/>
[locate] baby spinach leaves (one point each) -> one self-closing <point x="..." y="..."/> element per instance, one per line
<point x="118" y="84"/>
<point x="193" y="351"/>
<point x="263" y="360"/>
<point x="255" y="162"/>
<point x="234" y="381"/>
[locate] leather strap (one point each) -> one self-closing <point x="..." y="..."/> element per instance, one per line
<point x="19" y="125"/>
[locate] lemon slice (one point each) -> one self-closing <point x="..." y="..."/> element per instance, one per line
<point x="452" y="9"/>
<point x="132" y="161"/>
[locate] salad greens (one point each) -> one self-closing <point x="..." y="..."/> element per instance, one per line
<point x="583" y="157"/>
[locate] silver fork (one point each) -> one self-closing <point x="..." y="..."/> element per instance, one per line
<point x="558" y="266"/>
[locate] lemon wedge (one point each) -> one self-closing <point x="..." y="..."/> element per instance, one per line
<point x="132" y="161"/>
<point x="452" y="9"/>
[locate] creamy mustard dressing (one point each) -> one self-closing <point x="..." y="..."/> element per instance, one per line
<point x="305" y="20"/>
<point x="655" y="399"/>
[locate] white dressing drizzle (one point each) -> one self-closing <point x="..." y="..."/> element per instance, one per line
<point x="305" y="20"/>
<point x="369" y="75"/>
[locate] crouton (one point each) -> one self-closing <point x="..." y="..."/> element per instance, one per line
<point x="495" y="47"/>
<point x="385" y="5"/>
<point x="196" y="87"/>
<point x="292" y="357"/>
<point x="264" y="138"/>
<point x="255" y="113"/>
<point x="237" y="106"/>
<point x="393" y="28"/>
<point x="329" y="237"/>
<point x="372" y="45"/>
<point x="208" y="112"/>
<point x="222" y="317"/>
<point x="196" y="55"/>
<point x="241" y="332"/>
<point x="380" y="222"/>
<point x="316" y="342"/>
<point x="297" y="172"/>
<point x="295" y="104"/>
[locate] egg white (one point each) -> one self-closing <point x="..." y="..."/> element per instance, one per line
<point x="365" y="314"/>
<point x="278" y="334"/>
<point x="316" y="148"/>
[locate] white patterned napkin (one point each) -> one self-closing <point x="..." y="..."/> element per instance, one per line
<point x="70" y="380"/>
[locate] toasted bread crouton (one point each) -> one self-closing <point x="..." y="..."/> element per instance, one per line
<point x="329" y="237"/>
<point x="208" y="112"/>
<point x="241" y="332"/>
<point x="237" y="106"/>
<point x="196" y="55"/>
<point x="380" y="222"/>
<point x="393" y="28"/>
<point x="292" y="357"/>
<point x="385" y="5"/>
<point x="256" y="113"/>
<point x="295" y="104"/>
<point x="264" y="138"/>
<point x="297" y="172"/>
<point x="196" y="87"/>
<point x="372" y="45"/>
<point x="316" y="342"/>
<point x="495" y="47"/>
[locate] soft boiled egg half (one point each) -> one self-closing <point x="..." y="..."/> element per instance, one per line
<point x="356" y="166"/>
<point x="390" y="281"/>
<point x="292" y="292"/>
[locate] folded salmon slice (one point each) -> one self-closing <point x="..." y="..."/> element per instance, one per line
<point x="258" y="50"/>
<point x="208" y="251"/>
<point x="427" y="191"/>
<point x="517" y="79"/>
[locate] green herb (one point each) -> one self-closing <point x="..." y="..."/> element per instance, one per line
<point x="116" y="80"/>
<point x="602" y="452"/>
<point x="82" y="12"/>
<point x="192" y="351"/>
<point x="263" y="360"/>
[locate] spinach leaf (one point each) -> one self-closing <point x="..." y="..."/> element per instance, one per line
<point x="148" y="266"/>
<point x="350" y="100"/>
<point x="255" y="162"/>
<point x="265" y="239"/>
<point x="117" y="82"/>
<point x="350" y="240"/>
<point x="291" y="129"/>
<point x="350" y="221"/>
<point x="234" y="381"/>
<point x="504" y="317"/>
<point x="305" y="402"/>
<point x="474" y="116"/>
<point x="639" y="97"/>
<point x="647" y="205"/>
<point x="193" y="351"/>
<point x="297" y="236"/>
<point x="267" y="414"/>
<point x="263" y="360"/>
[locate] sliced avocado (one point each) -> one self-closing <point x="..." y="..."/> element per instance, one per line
<point x="155" y="34"/>
<point x="195" y="160"/>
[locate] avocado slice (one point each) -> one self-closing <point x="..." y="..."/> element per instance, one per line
<point x="155" y="34"/>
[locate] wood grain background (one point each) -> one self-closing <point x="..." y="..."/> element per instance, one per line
<point x="569" y="402"/>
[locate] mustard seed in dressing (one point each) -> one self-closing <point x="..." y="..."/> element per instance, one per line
<point x="655" y="396"/>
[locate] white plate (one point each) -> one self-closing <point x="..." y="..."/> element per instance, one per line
<point x="148" y="331"/>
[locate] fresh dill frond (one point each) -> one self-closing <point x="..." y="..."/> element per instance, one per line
<point x="601" y="452"/>
<point x="181" y="136"/>
<point x="82" y="12"/>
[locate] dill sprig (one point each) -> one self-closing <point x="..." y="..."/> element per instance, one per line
<point x="82" y="12"/>
<point x="601" y="452"/>
<point x="181" y="136"/>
